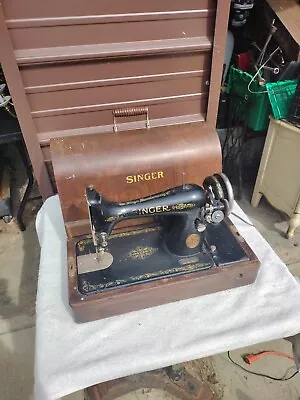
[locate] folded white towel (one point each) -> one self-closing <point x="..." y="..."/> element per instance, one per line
<point x="72" y="356"/>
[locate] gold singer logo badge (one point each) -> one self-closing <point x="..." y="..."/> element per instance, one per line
<point x="155" y="210"/>
<point x="148" y="176"/>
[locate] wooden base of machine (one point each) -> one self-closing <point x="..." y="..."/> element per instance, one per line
<point x="174" y="380"/>
<point x="124" y="299"/>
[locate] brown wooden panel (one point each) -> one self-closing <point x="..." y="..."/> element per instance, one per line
<point x="114" y="94"/>
<point x="89" y="108"/>
<point x="75" y="35"/>
<point x="15" y="9"/>
<point x="138" y="123"/>
<point x="93" y="119"/>
<point x="41" y="78"/>
<point x="47" y="32"/>
<point x="108" y="18"/>
<point x="218" y="59"/>
<point x="113" y="50"/>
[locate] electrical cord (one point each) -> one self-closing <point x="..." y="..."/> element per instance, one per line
<point x="274" y="378"/>
<point x="253" y="357"/>
<point x="242" y="219"/>
<point x="258" y="71"/>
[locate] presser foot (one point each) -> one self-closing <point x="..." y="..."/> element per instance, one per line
<point x="94" y="262"/>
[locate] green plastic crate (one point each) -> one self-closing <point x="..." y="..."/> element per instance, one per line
<point x="257" y="106"/>
<point x="281" y="95"/>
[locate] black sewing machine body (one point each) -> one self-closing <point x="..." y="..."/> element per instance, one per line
<point x="141" y="256"/>
<point x="188" y="235"/>
<point x="189" y="248"/>
<point x="179" y="208"/>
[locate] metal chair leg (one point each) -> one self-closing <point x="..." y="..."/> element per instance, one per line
<point x="26" y="162"/>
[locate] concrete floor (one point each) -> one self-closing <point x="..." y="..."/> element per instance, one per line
<point x="19" y="257"/>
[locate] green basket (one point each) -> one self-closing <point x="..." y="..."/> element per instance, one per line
<point x="281" y="95"/>
<point x="256" y="107"/>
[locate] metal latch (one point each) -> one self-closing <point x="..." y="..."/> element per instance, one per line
<point x="130" y="112"/>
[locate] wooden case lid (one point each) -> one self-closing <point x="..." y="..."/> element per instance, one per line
<point x="129" y="165"/>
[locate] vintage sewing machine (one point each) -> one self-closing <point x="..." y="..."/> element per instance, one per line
<point x="147" y="220"/>
<point x="184" y="212"/>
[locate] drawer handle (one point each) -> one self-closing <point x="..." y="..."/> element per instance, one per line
<point x="130" y="112"/>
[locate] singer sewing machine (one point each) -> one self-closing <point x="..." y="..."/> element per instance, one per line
<point x="151" y="231"/>
<point x="185" y="213"/>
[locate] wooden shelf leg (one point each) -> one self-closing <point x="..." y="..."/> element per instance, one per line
<point x="294" y="223"/>
<point x="255" y="198"/>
